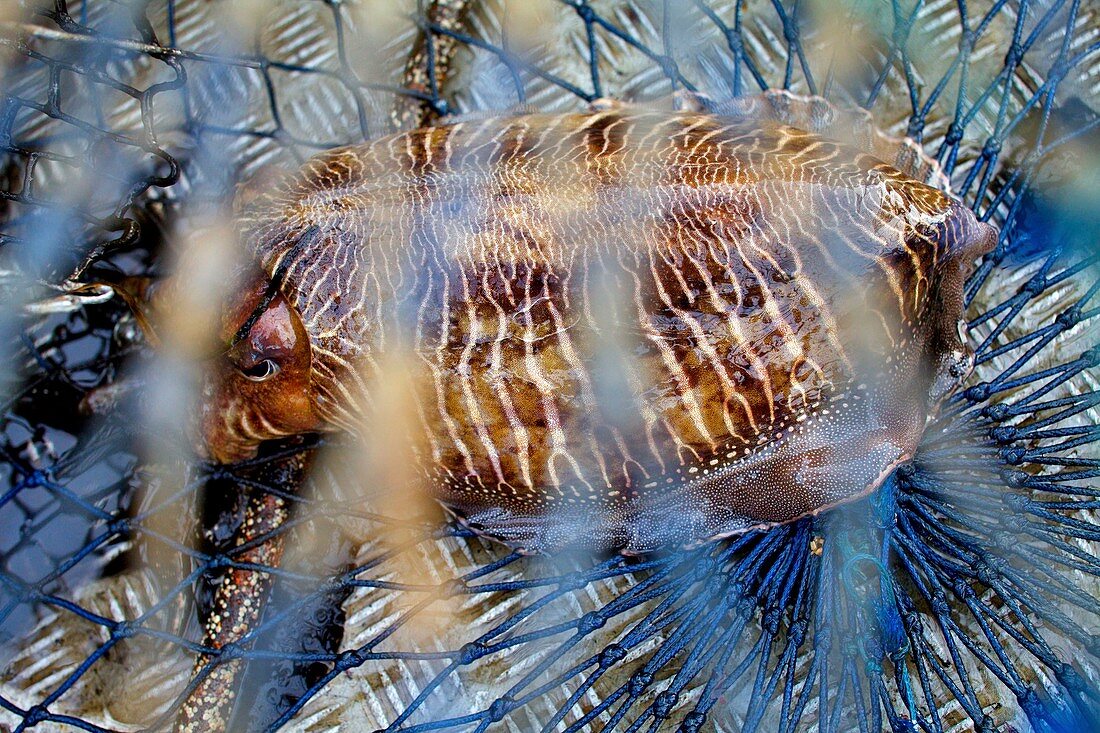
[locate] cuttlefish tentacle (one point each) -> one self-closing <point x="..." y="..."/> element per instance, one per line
<point x="236" y="609"/>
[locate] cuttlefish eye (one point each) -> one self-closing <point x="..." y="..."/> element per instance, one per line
<point x="259" y="364"/>
<point x="259" y="372"/>
<point x="269" y="344"/>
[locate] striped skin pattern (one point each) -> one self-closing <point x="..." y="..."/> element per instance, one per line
<point x="626" y="327"/>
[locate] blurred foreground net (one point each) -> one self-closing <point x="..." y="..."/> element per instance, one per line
<point x="962" y="596"/>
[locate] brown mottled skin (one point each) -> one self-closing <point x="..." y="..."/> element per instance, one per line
<point x="631" y="327"/>
<point x="234" y="392"/>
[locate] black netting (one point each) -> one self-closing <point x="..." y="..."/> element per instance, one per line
<point x="961" y="596"/>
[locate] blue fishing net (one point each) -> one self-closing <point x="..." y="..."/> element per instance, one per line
<point x="962" y="595"/>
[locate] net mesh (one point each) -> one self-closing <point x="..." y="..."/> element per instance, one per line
<point x="961" y="596"/>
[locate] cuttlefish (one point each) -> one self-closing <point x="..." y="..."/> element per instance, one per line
<point x="629" y="327"/>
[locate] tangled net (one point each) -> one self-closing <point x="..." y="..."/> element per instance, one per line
<point x="961" y="596"/>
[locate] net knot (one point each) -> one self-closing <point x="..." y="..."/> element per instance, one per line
<point x="230" y="651"/>
<point x="123" y="630"/>
<point x="1014" y="456"/>
<point x="940" y="606"/>
<point x="790" y="31"/>
<point x="693" y="722"/>
<point x="979" y="392"/>
<point x="639" y="681"/>
<point x="349" y="659"/>
<point x="771" y="620"/>
<point x="471" y="652"/>
<point x="966" y="42"/>
<point x="1015" y="478"/>
<point x="572" y="582"/>
<point x="733" y="40"/>
<point x="962" y="589"/>
<point x="1035" y="286"/>
<point x="984" y="573"/>
<point x="118" y="526"/>
<point x="797" y="632"/>
<point x="35" y="715"/>
<point x="734" y="593"/>
<point x="1014" y="524"/>
<point x="954" y="134"/>
<point x="1069" y="318"/>
<point x="589" y="622"/>
<point x="746" y="606"/>
<point x="585" y="11"/>
<point x="613" y="654"/>
<point x="217" y="562"/>
<point x="664" y="704"/>
<point x="704" y="567"/>
<point x="1030" y="703"/>
<point x="500" y="708"/>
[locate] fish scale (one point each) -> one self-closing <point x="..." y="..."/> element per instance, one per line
<point x="788" y="307"/>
